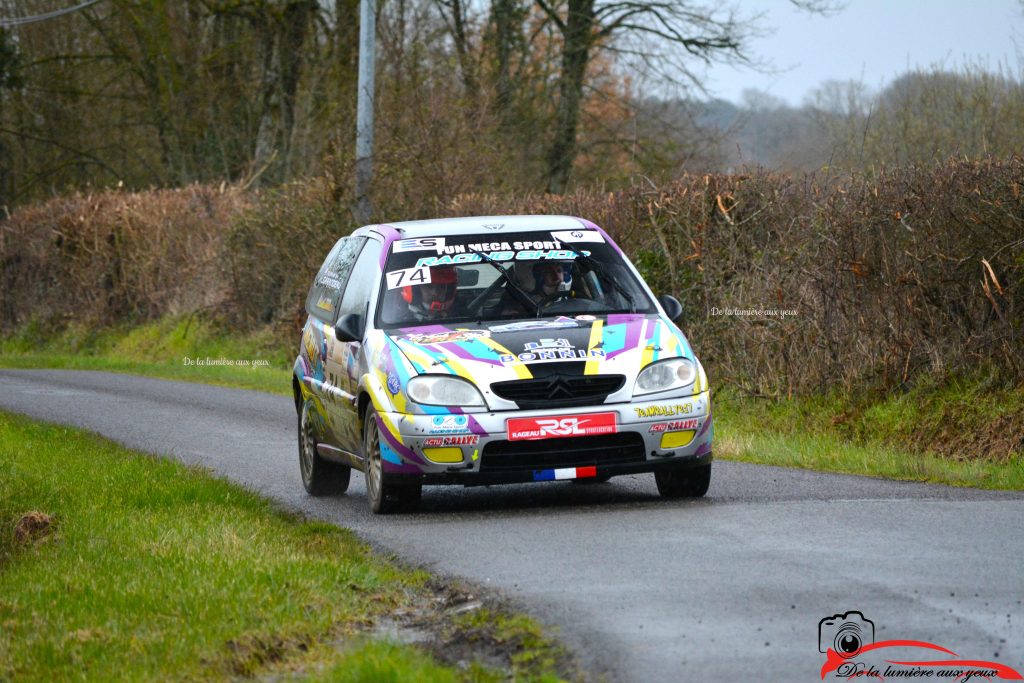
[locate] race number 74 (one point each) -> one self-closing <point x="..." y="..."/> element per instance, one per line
<point x="408" y="276"/>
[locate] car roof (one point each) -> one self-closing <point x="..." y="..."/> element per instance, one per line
<point x="486" y="224"/>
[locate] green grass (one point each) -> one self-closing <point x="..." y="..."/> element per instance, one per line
<point x="533" y="650"/>
<point x="169" y="349"/>
<point x="961" y="433"/>
<point x="387" y="663"/>
<point x="151" y="571"/>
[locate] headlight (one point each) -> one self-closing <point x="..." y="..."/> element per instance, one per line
<point x="443" y="390"/>
<point x="674" y="373"/>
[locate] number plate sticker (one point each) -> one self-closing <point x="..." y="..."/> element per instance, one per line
<point x="409" y="276"/>
<point x="532" y="428"/>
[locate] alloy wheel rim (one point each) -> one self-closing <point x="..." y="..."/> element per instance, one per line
<point x="306" y="460"/>
<point x="373" y="473"/>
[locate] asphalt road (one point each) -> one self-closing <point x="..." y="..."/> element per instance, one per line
<point x="731" y="587"/>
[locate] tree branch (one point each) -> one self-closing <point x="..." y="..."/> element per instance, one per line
<point x="548" y="10"/>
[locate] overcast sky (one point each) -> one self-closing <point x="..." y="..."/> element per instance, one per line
<point x="873" y="41"/>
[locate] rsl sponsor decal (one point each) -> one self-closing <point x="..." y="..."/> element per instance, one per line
<point x="532" y="428"/>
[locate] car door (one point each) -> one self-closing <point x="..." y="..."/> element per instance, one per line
<point x="322" y="305"/>
<point x="346" y="358"/>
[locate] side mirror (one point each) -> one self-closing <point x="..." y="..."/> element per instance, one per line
<point x="673" y="309"/>
<point x="349" y="328"/>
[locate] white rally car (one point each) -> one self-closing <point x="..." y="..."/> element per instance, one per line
<point x="493" y="350"/>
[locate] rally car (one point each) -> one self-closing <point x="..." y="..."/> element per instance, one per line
<point x="493" y="350"/>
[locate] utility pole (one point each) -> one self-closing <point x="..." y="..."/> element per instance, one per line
<point x="364" y="110"/>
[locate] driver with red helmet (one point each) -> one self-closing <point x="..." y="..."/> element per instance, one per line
<point x="434" y="299"/>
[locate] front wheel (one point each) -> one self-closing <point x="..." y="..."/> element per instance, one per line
<point x="384" y="495"/>
<point x="319" y="477"/>
<point x="678" y="482"/>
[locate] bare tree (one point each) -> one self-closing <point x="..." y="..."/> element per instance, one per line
<point x="454" y="13"/>
<point x="668" y="34"/>
<point x="505" y="15"/>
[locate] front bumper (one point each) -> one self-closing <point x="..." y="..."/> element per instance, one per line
<point x="564" y="443"/>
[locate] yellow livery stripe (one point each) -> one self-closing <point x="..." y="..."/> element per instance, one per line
<point x="522" y="372"/>
<point x="648" y="353"/>
<point x="596" y="335"/>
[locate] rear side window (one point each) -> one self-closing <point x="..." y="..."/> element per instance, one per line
<point x="363" y="280"/>
<point x="325" y="294"/>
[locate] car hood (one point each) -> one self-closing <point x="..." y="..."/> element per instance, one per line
<point x="499" y="351"/>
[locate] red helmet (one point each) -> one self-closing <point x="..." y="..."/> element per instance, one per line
<point x="440" y="290"/>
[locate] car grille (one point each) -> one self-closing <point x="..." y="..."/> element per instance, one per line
<point x="575" y="451"/>
<point x="559" y="391"/>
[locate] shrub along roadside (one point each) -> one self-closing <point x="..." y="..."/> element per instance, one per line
<point x="119" y="566"/>
<point x="796" y="285"/>
<point x="965" y="431"/>
<point x="887" y="278"/>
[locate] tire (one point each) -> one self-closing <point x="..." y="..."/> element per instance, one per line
<point x="691" y="482"/>
<point x="384" y="495"/>
<point x="319" y="477"/>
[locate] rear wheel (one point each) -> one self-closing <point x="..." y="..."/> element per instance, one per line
<point x="319" y="477"/>
<point x="384" y="494"/>
<point x="679" y="482"/>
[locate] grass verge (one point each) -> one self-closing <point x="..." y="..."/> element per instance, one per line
<point x="961" y="433"/>
<point x="115" y="565"/>
<point x="185" y="349"/>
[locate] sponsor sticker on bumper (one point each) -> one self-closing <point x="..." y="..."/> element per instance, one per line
<point x="532" y="428"/>
<point x="467" y="440"/>
<point x="675" y="425"/>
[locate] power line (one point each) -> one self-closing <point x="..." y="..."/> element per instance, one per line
<point x="6" y="22"/>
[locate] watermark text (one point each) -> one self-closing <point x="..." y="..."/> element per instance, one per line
<point x="237" y="362"/>
<point x="780" y="313"/>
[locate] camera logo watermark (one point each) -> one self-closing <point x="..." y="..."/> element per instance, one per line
<point x="237" y="362"/>
<point x="846" y="634"/>
<point x="759" y="312"/>
<point x="848" y="642"/>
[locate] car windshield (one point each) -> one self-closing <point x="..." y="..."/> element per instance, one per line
<point x="459" y="278"/>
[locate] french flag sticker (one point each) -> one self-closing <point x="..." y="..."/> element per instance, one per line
<point x="564" y="473"/>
